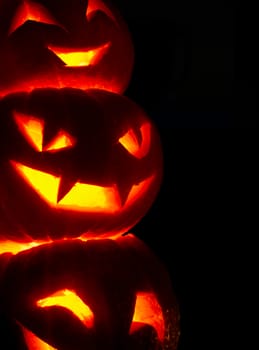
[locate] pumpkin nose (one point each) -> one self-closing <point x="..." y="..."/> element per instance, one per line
<point x="83" y="58"/>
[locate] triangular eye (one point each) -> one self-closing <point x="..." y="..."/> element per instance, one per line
<point x="138" y="148"/>
<point x="31" y="11"/>
<point x="61" y="141"/>
<point x="31" y="128"/>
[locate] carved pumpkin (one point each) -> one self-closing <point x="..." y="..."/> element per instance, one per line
<point x="75" y="163"/>
<point x="69" y="43"/>
<point x="99" y="294"/>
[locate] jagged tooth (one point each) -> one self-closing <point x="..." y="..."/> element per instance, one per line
<point x="124" y="190"/>
<point x="64" y="187"/>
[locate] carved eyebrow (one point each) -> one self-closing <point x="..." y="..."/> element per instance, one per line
<point x="31" y="11"/>
<point x="69" y="300"/>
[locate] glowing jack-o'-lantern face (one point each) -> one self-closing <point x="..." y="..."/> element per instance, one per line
<point x="75" y="163"/>
<point x="99" y="294"/>
<point x="48" y="43"/>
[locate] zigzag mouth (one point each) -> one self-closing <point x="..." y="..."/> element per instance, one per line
<point x="77" y="196"/>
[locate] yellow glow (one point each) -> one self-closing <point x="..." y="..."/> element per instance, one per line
<point x="16" y="247"/>
<point x="80" y="58"/>
<point x="7" y="246"/>
<point x="33" y="342"/>
<point x="71" y="301"/>
<point x="62" y="140"/>
<point x="130" y="142"/>
<point x="44" y="184"/>
<point x="91" y="198"/>
<point x="81" y="197"/>
<point x="148" y="311"/>
<point x="84" y="81"/>
<point x="95" y="5"/>
<point x="31" y="128"/>
<point x="30" y="11"/>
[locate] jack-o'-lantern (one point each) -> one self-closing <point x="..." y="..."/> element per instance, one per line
<point x="99" y="294"/>
<point x="75" y="163"/>
<point x="69" y="43"/>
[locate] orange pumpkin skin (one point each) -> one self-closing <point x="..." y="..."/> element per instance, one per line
<point x="70" y="43"/>
<point x="127" y="290"/>
<point x="75" y="163"/>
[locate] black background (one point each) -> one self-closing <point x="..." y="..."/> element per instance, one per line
<point x="193" y="75"/>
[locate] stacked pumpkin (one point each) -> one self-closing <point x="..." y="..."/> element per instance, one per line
<point x="81" y="164"/>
